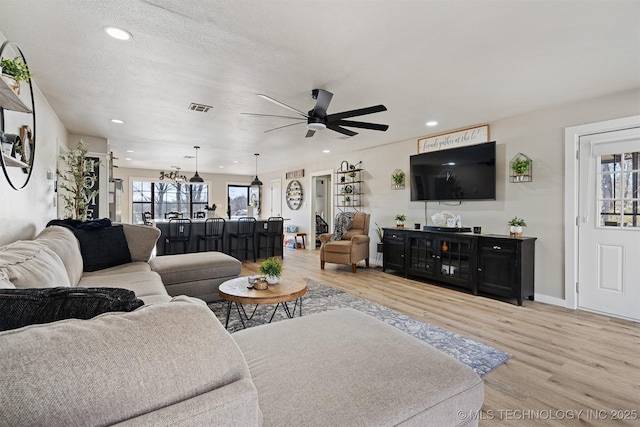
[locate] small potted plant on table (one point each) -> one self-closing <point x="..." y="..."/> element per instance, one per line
<point x="400" y="219"/>
<point x="516" y="226"/>
<point x="271" y="268"/>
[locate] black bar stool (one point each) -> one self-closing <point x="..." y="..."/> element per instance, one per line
<point x="273" y="235"/>
<point x="213" y="232"/>
<point x="179" y="232"/>
<point x="246" y="231"/>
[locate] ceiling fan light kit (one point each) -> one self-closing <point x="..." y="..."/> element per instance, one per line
<point x="318" y="119"/>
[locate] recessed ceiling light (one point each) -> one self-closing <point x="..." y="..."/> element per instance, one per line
<point x="127" y="158"/>
<point x="130" y="151"/>
<point x="222" y="167"/>
<point x="118" y="121"/>
<point x="432" y="123"/>
<point x="118" y="33"/>
<point x="236" y="161"/>
<point x="326" y="151"/>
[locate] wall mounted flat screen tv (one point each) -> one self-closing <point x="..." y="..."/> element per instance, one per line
<point x="463" y="173"/>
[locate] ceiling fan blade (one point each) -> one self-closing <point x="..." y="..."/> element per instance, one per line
<point x="323" y="98"/>
<point x="310" y="133"/>
<point x="363" y="125"/>
<point x="268" y="98"/>
<point x="358" y="112"/>
<point x="269" y="115"/>
<point x="342" y="130"/>
<point x="285" y="126"/>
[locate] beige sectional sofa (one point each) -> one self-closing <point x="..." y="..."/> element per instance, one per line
<point x="171" y="362"/>
<point x="54" y="259"/>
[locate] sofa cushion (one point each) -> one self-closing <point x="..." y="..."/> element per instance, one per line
<point x="183" y="268"/>
<point x="30" y="264"/>
<point x="4" y="280"/>
<point x="132" y="267"/>
<point x="22" y="307"/>
<point x="338" y="247"/>
<point x="141" y="240"/>
<point x="141" y="282"/>
<point x="120" y="366"/>
<point x="345" y="368"/>
<point x="103" y="247"/>
<point x="62" y="241"/>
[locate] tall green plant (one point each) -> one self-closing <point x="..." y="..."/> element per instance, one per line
<point x="77" y="177"/>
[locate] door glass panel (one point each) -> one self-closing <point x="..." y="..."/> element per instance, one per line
<point x="619" y="195"/>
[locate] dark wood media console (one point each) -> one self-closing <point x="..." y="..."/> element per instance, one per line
<point x="482" y="263"/>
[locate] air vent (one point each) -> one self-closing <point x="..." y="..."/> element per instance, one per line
<point x="199" y="107"/>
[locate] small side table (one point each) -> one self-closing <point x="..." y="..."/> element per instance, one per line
<point x="303" y="235"/>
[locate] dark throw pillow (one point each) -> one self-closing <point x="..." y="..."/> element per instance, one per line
<point x="22" y="307"/>
<point x="103" y="247"/>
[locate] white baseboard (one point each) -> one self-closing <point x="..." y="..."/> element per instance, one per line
<point x="550" y="300"/>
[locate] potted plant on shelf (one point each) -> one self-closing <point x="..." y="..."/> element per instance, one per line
<point x="516" y="226"/>
<point x="347" y="200"/>
<point x="398" y="178"/>
<point x="400" y="219"/>
<point x="520" y="167"/>
<point x="352" y="175"/>
<point x="13" y="72"/>
<point x="272" y="269"/>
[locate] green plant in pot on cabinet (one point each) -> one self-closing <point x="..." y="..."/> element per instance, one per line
<point x="516" y="225"/>
<point x="400" y="219"/>
<point x="271" y="268"/>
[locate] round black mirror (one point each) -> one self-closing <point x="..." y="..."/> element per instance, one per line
<point x="17" y="117"/>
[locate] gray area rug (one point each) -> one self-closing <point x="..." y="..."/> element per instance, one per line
<point x="480" y="357"/>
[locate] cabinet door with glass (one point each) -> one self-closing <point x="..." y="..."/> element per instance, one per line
<point x="423" y="254"/>
<point x="457" y="258"/>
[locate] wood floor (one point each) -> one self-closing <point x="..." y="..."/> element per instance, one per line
<point x="569" y="367"/>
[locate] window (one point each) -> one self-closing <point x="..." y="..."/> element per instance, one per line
<point x="160" y="198"/>
<point x="619" y="198"/>
<point x="238" y="200"/>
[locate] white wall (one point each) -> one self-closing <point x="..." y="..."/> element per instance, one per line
<point x="24" y="213"/>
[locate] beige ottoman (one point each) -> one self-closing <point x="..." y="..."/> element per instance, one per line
<point x="196" y="274"/>
<point x="345" y="368"/>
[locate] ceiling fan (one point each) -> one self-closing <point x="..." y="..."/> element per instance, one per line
<point x="318" y="119"/>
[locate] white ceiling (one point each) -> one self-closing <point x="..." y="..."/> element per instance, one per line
<point x="461" y="63"/>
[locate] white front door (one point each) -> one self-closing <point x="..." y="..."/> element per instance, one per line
<point x="609" y="223"/>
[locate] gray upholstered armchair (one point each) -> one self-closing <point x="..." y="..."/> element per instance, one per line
<point x="352" y="248"/>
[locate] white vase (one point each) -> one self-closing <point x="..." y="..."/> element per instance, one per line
<point x="515" y="231"/>
<point x="272" y="280"/>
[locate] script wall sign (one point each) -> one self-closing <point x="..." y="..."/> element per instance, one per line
<point x="458" y="138"/>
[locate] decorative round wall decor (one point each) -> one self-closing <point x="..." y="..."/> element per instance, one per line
<point x="294" y="195"/>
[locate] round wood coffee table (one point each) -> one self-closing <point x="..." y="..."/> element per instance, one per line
<point x="236" y="291"/>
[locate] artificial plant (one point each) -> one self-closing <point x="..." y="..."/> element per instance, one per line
<point x="77" y="178"/>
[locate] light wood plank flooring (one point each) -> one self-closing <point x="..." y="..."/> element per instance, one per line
<point x="568" y="367"/>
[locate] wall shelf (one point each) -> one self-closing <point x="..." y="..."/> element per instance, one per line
<point x="9" y="100"/>
<point x="13" y="162"/>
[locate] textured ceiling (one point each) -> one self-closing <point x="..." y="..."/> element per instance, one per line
<point x="461" y="63"/>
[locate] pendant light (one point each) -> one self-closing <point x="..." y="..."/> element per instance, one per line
<point x="196" y="177"/>
<point x="256" y="181"/>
